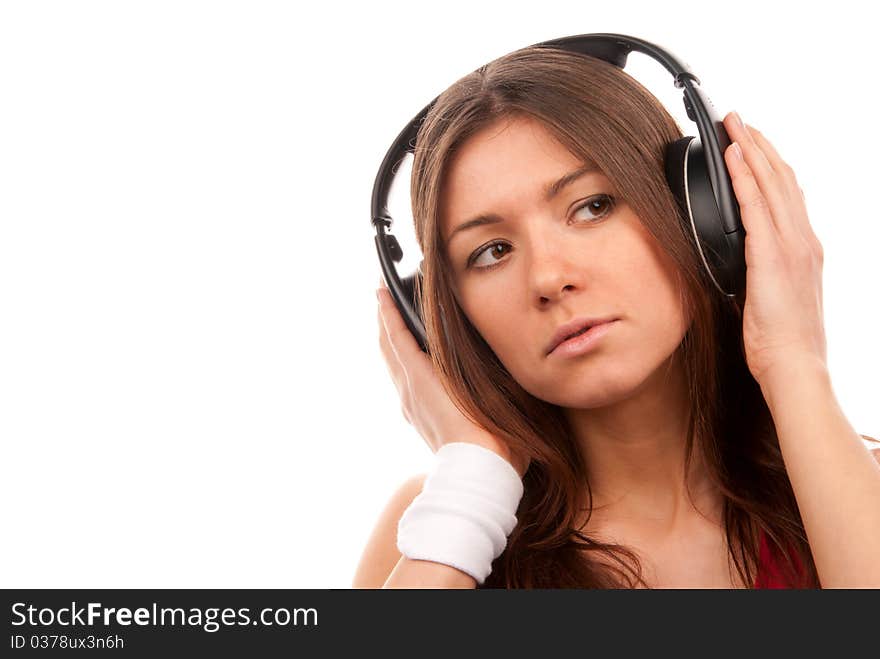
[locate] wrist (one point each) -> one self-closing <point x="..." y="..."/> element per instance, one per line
<point x="465" y="511"/>
<point x="492" y="443"/>
<point x="791" y="375"/>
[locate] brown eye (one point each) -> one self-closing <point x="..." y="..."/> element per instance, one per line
<point x="601" y="204"/>
<point x="492" y="249"/>
<point x="598" y="206"/>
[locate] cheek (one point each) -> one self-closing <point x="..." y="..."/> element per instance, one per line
<point x="653" y="282"/>
<point x="661" y="302"/>
<point x="659" y="317"/>
<point x="492" y="320"/>
<point x="493" y="317"/>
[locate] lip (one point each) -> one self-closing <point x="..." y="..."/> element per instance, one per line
<point x="573" y="326"/>
<point x="585" y="342"/>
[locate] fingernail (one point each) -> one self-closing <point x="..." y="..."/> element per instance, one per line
<point x="739" y="120"/>
<point x="737" y="151"/>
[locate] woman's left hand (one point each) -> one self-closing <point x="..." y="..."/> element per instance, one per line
<point x="782" y="316"/>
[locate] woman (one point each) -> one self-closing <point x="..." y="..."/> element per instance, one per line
<point x="691" y="443"/>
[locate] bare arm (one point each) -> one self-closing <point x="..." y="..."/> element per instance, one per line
<point x="382" y="566"/>
<point x="409" y="573"/>
<point x="835" y="479"/>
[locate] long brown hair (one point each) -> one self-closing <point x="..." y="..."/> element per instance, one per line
<point x="600" y="113"/>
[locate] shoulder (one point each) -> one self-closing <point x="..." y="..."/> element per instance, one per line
<point x="380" y="555"/>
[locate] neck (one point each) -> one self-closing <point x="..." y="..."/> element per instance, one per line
<point x="634" y="457"/>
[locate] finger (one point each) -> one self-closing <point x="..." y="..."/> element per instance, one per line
<point x="795" y="194"/>
<point x="769" y="182"/>
<point x="779" y="165"/>
<point x="382" y="295"/>
<point x="754" y="155"/>
<point x="754" y="208"/>
<point x="395" y="369"/>
<point x="403" y="343"/>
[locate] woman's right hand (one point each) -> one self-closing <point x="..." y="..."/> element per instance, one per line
<point x="424" y="401"/>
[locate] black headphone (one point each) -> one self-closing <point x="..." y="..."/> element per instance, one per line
<point x="695" y="171"/>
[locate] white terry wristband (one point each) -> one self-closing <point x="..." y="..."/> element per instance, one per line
<point x="465" y="511"/>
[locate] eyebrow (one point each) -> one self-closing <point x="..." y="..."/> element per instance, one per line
<point x="550" y="191"/>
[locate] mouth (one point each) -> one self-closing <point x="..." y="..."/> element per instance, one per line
<point x="583" y="341"/>
<point x="575" y="328"/>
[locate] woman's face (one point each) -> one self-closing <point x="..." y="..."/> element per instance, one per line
<point x="555" y="262"/>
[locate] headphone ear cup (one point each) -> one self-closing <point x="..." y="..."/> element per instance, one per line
<point x="688" y="179"/>
<point x="674" y="164"/>
<point x="417" y="328"/>
<point x="409" y="286"/>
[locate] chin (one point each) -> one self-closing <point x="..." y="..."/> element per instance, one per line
<point x="591" y="397"/>
<point x="588" y="389"/>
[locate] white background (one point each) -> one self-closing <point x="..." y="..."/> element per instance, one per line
<point x="191" y="389"/>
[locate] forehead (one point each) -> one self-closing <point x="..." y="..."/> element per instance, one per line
<point x="504" y="143"/>
<point x="509" y="156"/>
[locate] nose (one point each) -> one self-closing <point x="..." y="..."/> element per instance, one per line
<point x="553" y="270"/>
